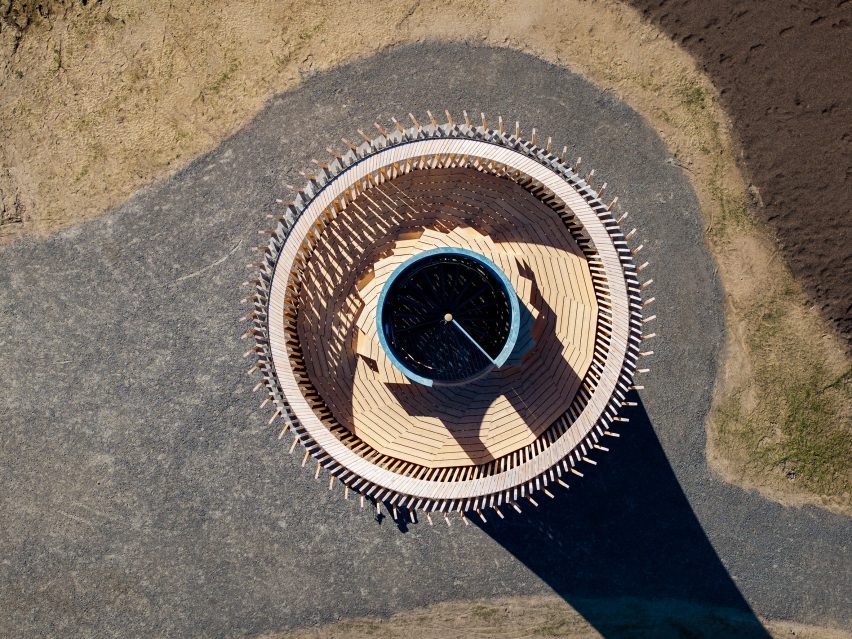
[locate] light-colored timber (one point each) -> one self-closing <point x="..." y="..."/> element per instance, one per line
<point x="393" y="191"/>
<point x="448" y="426"/>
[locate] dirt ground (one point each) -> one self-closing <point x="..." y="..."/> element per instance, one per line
<point x="548" y="617"/>
<point x="782" y="70"/>
<point x="98" y="99"/>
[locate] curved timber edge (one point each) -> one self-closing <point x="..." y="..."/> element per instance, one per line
<point x="485" y="149"/>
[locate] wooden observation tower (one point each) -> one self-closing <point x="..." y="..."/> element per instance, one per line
<point x="448" y="319"/>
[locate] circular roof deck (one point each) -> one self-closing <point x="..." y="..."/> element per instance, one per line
<point x="510" y="429"/>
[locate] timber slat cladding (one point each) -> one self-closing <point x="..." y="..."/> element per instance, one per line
<point x="479" y="421"/>
<point x="462" y="186"/>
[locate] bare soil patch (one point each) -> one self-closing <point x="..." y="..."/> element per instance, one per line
<point x="782" y="71"/>
<point x="98" y="99"/>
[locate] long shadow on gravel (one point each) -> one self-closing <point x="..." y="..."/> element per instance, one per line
<point x="626" y="531"/>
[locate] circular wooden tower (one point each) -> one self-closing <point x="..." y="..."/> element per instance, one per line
<point x="447" y="318"/>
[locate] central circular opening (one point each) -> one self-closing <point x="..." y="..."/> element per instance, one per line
<point x="447" y="315"/>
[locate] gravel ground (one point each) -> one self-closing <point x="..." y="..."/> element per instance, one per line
<point x="144" y="494"/>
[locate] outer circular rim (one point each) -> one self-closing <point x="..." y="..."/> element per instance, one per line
<point x="486" y="148"/>
<point x="514" y="307"/>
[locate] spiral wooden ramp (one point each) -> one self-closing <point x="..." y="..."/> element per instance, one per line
<point x="517" y="431"/>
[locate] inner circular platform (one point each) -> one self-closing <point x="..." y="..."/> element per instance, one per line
<point x="440" y="209"/>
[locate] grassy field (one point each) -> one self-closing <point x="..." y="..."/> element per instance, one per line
<point x="100" y="100"/>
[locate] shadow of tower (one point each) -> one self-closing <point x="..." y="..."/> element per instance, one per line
<point x="625" y="531"/>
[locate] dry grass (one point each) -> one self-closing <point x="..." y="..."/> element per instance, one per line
<point x="99" y="100"/>
<point x="550" y="617"/>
